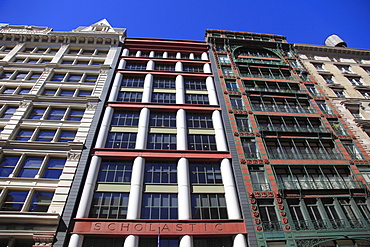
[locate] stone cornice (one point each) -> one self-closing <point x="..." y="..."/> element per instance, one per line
<point x="340" y="50"/>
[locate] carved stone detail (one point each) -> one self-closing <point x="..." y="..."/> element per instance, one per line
<point x="91" y="106"/>
<point x="73" y="156"/>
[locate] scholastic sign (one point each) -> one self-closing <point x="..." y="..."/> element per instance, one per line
<point x="153" y="228"/>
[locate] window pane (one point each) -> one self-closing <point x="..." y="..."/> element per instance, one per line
<point x="7" y="165"/>
<point x="41" y="201"/>
<point x="67" y="136"/>
<point x="14" y="201"/>
<point x="54" y="168"/>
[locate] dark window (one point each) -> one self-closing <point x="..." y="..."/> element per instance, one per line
<point x="54" y="168"/>
<point x="161" y="172"/>
<point x="135" y="66"/>
<point x="159" y="206"/>
<point x="121" y="118"/>
<point x="132" y="81"/>
<point x="103" y="241"/>
<point x="30" y="167"/>
<point x="202" y="142"/>
<point x="115" y="171"/>
<point x="162" y="141"/>
<point x="7" y="165"/>
<point x="130" y="96"/>
<point x="162" y="119"/>
<point x="197" y="99"/>
<point x="212" y="242"/>
<point x="108" y="205"/>
<point x="24" y="135"/>
<point x="41" y="201"/>
<point x="167" y="67"/>
<point x="164" y="82"/>
<point x="193" y="68"/>
<point x="209" y="206"/>
<point x="199" y="120"/>
<point x="164" y="98"/>
<point x="195" y="84"/>
<point x="205" y="173"/>
<point x="9" y="112"/>
<point x="163" y="242"/>
<point x="14" y="201"/>
<point x="67" y="136"/>
<point x="121" y="140"/>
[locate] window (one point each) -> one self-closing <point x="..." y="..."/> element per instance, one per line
<point x="159" y="206"/>
<point x="328" y="79"/>
<point x="129" y="96"/>
<point x="121" y="140"/>
<point x="196" y="99"/>
<point x="367" y="69"/>
<point x="195" y="84"/>
<point x="82" y="61"/>
<point x="202" y="142"/>
<point x="166" y="67"/>
<point x="20" y="76"/>
<point x="227" y="71"/>
<point x="125" y="118"/>
<point x="258" y="178"/>
<point x="209" y="206"/>
<point x="356" y="81"/>
<point x="132" y="81"/>
<point x="160" y="172"/>
<point x="164" y="98"/>
<point x="199" y="120"/>
<point x="164" y="82"/>
<point x="162" y="141"/>
<point x="54" y="168"/>
<point x="250" y="148"/>
<point x="312" y="90"/>
<point x="162" y="119"/>
<point x="356" y="113"/>
<point x="76" y="78"/>
<point x="7" y="165"/>
<point x="231" y="85"/>
<point x="352" y="150"/>
<point x="268" y="216"/>
<point x="109" y="205"/>
<point x="344" y="69"/>
<point x="205" y="173"/>
<point x="56" y="114"/>
<point x="212" y="242"/>
<point x="103" y="241"/>
<point x="243" y="123"/>
<point x="115" y="171"/>
<point x="8" y="112"/>
<point x="223" y="58"/>
<point x="237" y="103"/>
<point x="163" y="241"/>
<point x="193" y="68"/>
<point x="339" y="93"/>
<point x="365" y="94"/>
<point x="324" y="107"/>
<point x="16" y="201"/>
<point x="135" y="66"/>
<point x="45" y="135"/>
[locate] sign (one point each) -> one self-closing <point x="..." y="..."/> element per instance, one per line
<point x="166" y="228"/>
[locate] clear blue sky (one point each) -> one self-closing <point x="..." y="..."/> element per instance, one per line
<point x="301" y="21"/>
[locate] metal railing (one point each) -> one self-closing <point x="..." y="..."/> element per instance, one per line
<point x="317" y="185"/>
<point x="272" y="226"/>
<point x="294" y="128"/>
<point x="252" y="155"/>
<point x="285" y="108"/>
<point x="277" y="90"/>
<point x="277" y="77"/>
<point x="306" y="156"/>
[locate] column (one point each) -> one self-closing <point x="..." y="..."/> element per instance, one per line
<point x="104" y="128"/>
<point x="204" y="56"/>
<point x="219" y="131"/>
<point x="13" y="52"/>
<point x="187" y="241"/>
<point x="138" y="54"/>
<point x="178" y="66"/>
<point x="151" y="54"/>
<point x="207" y="68"/>
<point x="182" y="137"/>
<point x="180" y="92"/>
<point x="212" y="96"/>
<point x="125" y="52"/>
<point x="147" y="91"/>
<point x="150" y="65"/>
<point x="131" y="241"/>
<point x="165" y="54"/>
<point x="137" y="178"/>
<point x="240" y="241"/>
<point x="184" y="201"/>
<point x="178" y="55"/>
<point x="191" y="56"/>
<point x="142" y="131"/>
<point x="231" y="196"/>
<point x="115" y="87"/>
<point x="89" y="187"/>
<point x="76" y="240"/>
<point x="122" y="64"/>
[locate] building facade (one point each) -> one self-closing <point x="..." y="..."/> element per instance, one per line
<point x="300" y="161"/>
<point x="160" y="171"/>
<point x="51" y="84"/>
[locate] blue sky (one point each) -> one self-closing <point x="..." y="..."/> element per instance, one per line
<point x="301" y="21"/>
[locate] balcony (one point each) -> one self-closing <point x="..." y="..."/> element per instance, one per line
<point x="338" y="224"/>
<point x="320" y="185"/>
<point x="252" y="155"/>
<point x="283" y="108"/>
<point x="276" y="77"/>
<point x="306" y="156"/>
<point x="294" y="128"/>
<point x="272" y="226"/>
<point x="261" y="186"/>
<point x="244" y="129"/>
<point x="273" y="90"/>
<point x="239" y="108"/>
<point x="261" y="61"/>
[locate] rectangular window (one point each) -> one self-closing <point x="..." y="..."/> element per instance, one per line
<point x="9" y="112"/>
<point x="199" y="120"/>
<point x="45" y="135"/>
<point x="202" y="142"/>
<point x="227" y="71"/>
<point x="162" y="119"/>
<point x="37" y="113"/>
<point x="243" y="123"/>
<point x="163" y="242"/>
<point x="193" y="68"/>
<point x="108" y="205"/>
<point x="328" y="79"/>
<point x="135" y="66"/>
<point x="130" y="96"/>
<point x="115" y="171"/>
<point x="6" y="75"/>
<point x="164" y="98"/>
<point x="24" y="135"/>
<point x="232" y="86"/>
<point x="90" y="78"/>
<point x="103" y="241"/>
<point x="223" y="58"/>
<point x="196" y="99"/>
<point x="58" y="77"/>
<point x="125" y="118"/>
<point x="56" y="114"/>
<point x="237" y="103"/>
<point x="49" y="92"/>
<point x="41" y="201"/>
<point x="74" y="78"/>
<point x="30" y="167"/>
<point x="205" y="173"/>
<point x="269" y="216"/>
<point x="195" y="84"/>
<point x="16" y="200"/>
<point x="160" y="172"/>
<point x="212" y="242"/>
<point x="159" y="206"/>
<point x="132" y="81"/>
<point x="164" y="67"/>
<point x="209" y="206"/>
<point x="54" y="168"/>
<point x="7" y="165"/>
<point x="164" y="82"/>
<point x="162" y="141"/>
<point x="75" y="115"/>
<point x="121" y="140"/>
<point x="249" y="148"/>
<point x="66" y="136"/>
